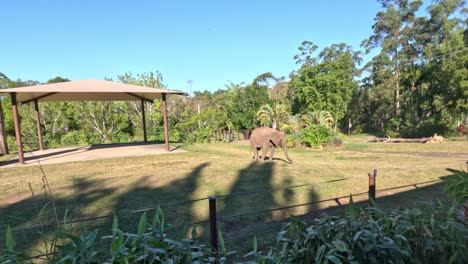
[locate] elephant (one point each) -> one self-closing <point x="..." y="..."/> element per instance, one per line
<point x="268" y="138"/>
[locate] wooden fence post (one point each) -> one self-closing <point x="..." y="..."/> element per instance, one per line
<point x="372" y="176"/>
<point x="213" y="224"/>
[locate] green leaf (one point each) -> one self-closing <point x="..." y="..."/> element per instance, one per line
<point x="10" y="243"/>
<point x="221" y="241"/>
<point x="157" y="217"/>
<point x="372" y="202"/>
<point x="319" y="254"/>
<point x="76" y="240"/>
<point x="194" y="233"/>
<point x="255" y="244"/>
<point x="196" y="255"/>
<point x="142" y="225"/>
<point x="65" y="218"/>
<point x="340" y="245"/>
<point x="90" y="238"/>
<point x="115" y="225"/>
<point x="334" y="259"/>
<point x="351" y="210"/>
<point x="453" y="258"/>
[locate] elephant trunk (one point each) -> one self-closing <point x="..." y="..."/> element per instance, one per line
<point x="285" y="149"/>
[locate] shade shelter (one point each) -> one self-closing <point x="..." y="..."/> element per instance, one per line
<point x="84" y="90"/>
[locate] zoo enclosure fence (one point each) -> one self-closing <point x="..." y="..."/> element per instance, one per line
<point x="229" y="135"/>
<point x="215" y="218"/>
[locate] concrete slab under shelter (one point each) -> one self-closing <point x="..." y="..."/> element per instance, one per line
<point x="92" y="152"/>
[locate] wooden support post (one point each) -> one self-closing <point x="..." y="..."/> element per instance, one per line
<point x="16" y="120"/>
<point x="166" y="126"/>
<point x="372" y="177"/>
<point x="38" y="125"/>
<point x="213" y="224"/>
<point x="143" y="119"/>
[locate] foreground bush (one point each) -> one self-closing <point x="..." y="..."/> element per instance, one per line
<point x="419" y="235"/>
<point x="316" y="135"/>
<point x="427" y="234"/>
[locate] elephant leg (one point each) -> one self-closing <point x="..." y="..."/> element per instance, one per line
<point x="272" y="153"/>
<point x="255" y="152"/>
<point x="264" y="151"/>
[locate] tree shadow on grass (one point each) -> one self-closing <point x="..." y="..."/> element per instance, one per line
<point x="34" y="219"/>
<point x="173" y="198"/>
<point x="409" y="196"/>
<point x="252" y="191"/>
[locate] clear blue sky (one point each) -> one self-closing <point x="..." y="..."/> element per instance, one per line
<point x="209" y="42"/>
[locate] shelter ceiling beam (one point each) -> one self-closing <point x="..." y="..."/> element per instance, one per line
<point x="140" y="97"/>
<point x="38" y="98"/>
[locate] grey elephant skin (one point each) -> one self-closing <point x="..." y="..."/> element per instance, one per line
<point x="268" y="139"/>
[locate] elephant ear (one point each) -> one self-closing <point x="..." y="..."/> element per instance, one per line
<point x="275" y="139"/>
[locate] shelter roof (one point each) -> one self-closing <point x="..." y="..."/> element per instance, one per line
<point x="87" y="90"/>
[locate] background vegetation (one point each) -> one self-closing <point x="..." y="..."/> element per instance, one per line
<point x="416" y="84"/>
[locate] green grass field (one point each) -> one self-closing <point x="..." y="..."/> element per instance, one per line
<point x="93" y="188"/>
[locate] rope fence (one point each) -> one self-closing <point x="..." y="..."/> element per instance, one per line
<point x="177" y="203"/>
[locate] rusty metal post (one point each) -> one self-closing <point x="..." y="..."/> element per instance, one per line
<point x="372" y="177"/>
<point x="246" y="134"/>
<point x="166" y="126"/>
<point x="143" y="119"/>
<point x="213" y="224"/>
<point x="16" y="120"/>
<point x="38" y="124"/>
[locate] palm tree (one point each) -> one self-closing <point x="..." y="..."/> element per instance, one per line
<point x="271" y="116"/>
<point x="324" y="118"/>
<point x="293" y="124"/>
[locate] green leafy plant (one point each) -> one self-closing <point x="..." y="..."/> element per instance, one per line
<point x="457" y="187"/>
<point x="420" y="235"/>
<point x="316" y="135"/>
<point x="425" y="234"/>
<point x="9" y="254"/>
<point x="199" y="135"/>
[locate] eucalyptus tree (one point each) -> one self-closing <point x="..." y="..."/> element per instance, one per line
<point x="394" y="35"/>
<point x="445" y="60"/>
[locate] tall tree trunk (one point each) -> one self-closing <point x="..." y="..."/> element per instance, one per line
<point x="3" y="139"/>
<point x="397" y="98"/>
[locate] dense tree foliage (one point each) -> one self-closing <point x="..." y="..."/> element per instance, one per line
<point x="421" y="70"/>
<point x="415" y="85"/>
<point x="327" y="83"/>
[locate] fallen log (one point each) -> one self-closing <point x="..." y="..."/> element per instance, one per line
<point x="434" y="139"/>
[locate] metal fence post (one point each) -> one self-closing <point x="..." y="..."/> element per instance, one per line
<point x="213" y="224"/>
<point x="372" y="176"/>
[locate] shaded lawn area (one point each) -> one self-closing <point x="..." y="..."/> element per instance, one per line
<point x="93" y="188"/>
